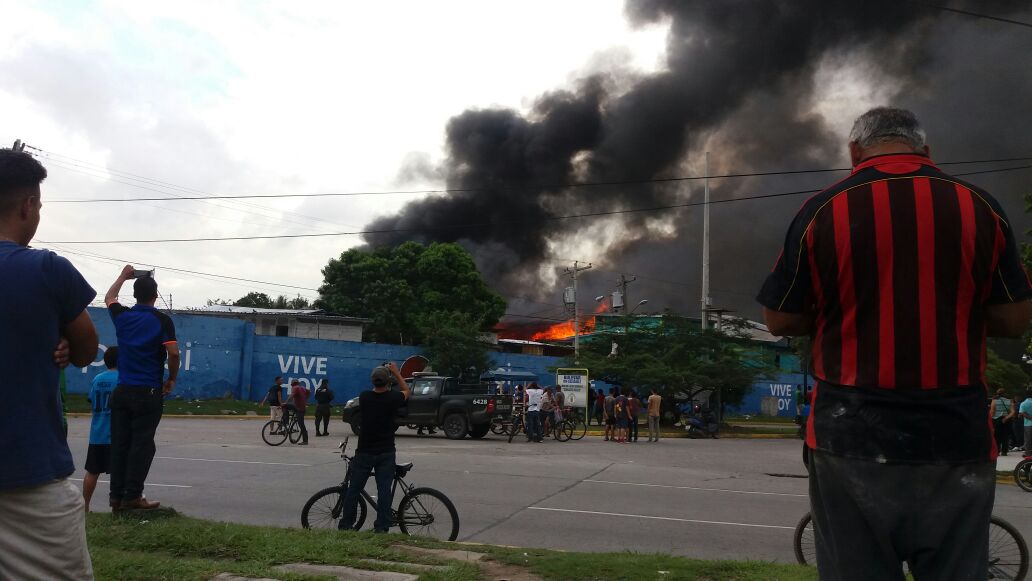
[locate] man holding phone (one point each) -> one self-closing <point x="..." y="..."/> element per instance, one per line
<point x="376" y="451"/>
<point x="146" y="339"/>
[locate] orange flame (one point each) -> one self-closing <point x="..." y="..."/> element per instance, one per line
<point x="565" y="330"/>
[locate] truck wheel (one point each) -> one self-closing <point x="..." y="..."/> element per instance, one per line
<point x="356" y="424"/>
<point x="479" y="431"/>
<point x="455" y="426"/>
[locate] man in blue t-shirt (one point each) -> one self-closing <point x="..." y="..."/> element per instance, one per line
<point x="1025" y="412"/>
<point x="98" y="455"/>
<point x="44" y="304"/>
<point x="146" y="339"/>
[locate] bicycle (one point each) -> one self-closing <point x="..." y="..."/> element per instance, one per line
<point x="577" y="426"/>
<point x="519" y="423"/>
<point x="1008" y="553"/>
<point x="274" y="434"/>
<point x="422" y="511"/>
<point x="1023" y="474"/>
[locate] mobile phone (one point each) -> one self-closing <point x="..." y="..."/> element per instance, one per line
<point x="143" y="273"/>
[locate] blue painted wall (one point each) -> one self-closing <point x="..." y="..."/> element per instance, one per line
<point x="221" y="356"/>
<point x="782" y="387"/>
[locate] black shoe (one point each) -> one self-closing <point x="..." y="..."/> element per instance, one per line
<point x="302" y="443"/>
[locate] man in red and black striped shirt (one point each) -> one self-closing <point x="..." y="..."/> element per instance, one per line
<point x="897" y="274"/>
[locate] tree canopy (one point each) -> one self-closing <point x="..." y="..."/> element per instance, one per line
<point x="677" y="358"/>
<point x="258" y="300"/>
<point x="407" y="289"/>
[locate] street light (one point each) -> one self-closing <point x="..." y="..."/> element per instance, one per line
<point x="640" y="303"/>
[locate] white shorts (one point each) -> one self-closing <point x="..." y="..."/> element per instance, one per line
<point x="43" y="533"/>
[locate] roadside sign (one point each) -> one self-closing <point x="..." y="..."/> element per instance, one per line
<point x="575" y="386"/>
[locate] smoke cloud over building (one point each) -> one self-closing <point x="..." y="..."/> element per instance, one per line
<point x="765" y="86"/>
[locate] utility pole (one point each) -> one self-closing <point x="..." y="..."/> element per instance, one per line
<point x="622" y="283"/>
<point x="705" y="250"/>
<point x="576" y="312"/>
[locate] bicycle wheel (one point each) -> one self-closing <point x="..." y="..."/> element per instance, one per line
<point x="273" y="434"/>
<point x="1008" y="553"/>
<point x="804" y="543"/>
<point x="428" y="513"/>
<point x="324" y="509"/>
<point x="580" y="429"/>
<point x="516" y="428"/>
<point x="1023" y="475"/>
<point x="563" y="431"/>
<point x="295" y="432"/>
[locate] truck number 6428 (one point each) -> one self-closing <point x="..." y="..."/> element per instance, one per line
<point x="480" y="402"/>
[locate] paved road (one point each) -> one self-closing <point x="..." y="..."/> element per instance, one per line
<point x="725" y="498"/>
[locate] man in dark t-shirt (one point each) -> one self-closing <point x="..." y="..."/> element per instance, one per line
<point x="44" y="300"/>
<point x="376" y="452"/>
<point x="274" y="398"/>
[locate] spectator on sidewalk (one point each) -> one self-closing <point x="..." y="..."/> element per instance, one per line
<point x="44" y="327"/>
<point x="1003" y="412"/>
<point x="297" y="403"/>
<point x="1017" y="426"/>
<point x="146" y="340"/>
<point x="532" y="401"/>
<point x="620" y="412"/>
<point x="610" y="417"/>
<point x="899" y="272"/>
<point x="1026" y="415"/>
<point x="547" y="409"/>
<point x="655" y="403"/>
<point x="274" y="397"/>
<point x="633" y="409"/>
<point x="98" y="455"/>
<point x="323" y="407"/>
<point x="600" y="406"/>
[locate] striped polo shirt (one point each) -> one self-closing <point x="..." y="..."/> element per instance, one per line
<point x="898" y="262"/>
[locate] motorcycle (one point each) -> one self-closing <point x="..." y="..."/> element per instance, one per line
<point x="702" y="424"/>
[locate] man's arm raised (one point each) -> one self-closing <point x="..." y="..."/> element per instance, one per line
<point x="401" y="380"/>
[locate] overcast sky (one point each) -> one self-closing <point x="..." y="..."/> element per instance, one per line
<point x="266" y="98"/>
<point x="130" y="99"/>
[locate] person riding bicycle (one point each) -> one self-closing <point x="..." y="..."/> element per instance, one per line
<point x="296" y="405"/>
<point x="376" y="452"/>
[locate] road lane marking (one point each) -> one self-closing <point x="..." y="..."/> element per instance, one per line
<point x="231" y="461"/>
<point x="667" y="518"/>
<point x="697" y="488"/>
<point x="148" y="484"/>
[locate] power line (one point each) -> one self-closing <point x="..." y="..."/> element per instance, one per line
<point x="969" y="13"/>
<point x="174" y="269"/>
<point x="485" y="224"/>
<point x="163" y="187"/>
<point x="570" y="185"/>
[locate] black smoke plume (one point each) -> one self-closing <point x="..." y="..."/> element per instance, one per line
<point x="740" y="79"/>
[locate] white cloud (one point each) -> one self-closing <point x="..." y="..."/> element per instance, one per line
<point x="268" y="98"/>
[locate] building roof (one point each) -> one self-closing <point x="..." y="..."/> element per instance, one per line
<point x="309" y="314"/>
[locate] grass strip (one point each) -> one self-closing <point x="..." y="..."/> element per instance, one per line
<point x="170" y="546"/>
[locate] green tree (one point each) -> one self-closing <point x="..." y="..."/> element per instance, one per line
<point x="1005" y="374"/>
<point x="404" y="287"/>
<point x="254" y="300"/>
<point x="455" y="344"/>
<point x="677" y="358"/>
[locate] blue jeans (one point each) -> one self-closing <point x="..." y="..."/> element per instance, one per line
<point x="361" y="466"/>
<point x="534" y="431"/>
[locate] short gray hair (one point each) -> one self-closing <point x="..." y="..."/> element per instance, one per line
<point x="883" y="124"/>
